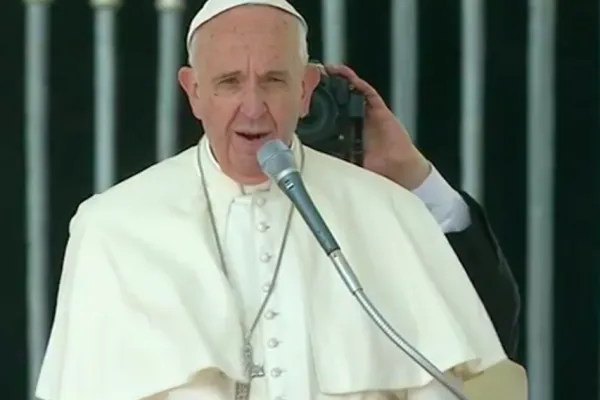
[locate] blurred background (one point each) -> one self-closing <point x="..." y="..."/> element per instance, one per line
<point x="509" y="112"/>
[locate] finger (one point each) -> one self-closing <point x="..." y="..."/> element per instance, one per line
<point x="359" y="83"/>
<point x="373" y="98"/>
<point x="319" y="67"/>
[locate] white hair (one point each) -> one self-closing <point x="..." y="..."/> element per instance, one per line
<point x="302" y="43"/>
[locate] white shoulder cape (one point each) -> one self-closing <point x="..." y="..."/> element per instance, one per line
<point x="143" y="304"/>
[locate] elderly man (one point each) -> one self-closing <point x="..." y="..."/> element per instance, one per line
<point x="196" y="279"/>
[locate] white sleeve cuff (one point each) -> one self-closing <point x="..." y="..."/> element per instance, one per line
<point x="447" y="206"/>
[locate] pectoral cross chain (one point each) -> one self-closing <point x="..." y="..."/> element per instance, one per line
<point x="242" y="390"/>
<point x="252" y="370"/>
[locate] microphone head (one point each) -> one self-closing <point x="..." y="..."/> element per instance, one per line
<point x="275" y="157"/>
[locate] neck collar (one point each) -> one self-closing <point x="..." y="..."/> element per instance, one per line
<point x="222" y="185"/>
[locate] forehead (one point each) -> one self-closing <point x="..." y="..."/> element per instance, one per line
<point x="261" y="36"/>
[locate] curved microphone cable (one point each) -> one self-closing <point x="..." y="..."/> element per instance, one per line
<point x="277" y="162"/>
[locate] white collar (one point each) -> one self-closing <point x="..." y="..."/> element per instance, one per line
<point x="220" y="183"/>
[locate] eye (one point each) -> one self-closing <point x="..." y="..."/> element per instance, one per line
<point x="275" y="80"/>
<point x="229" y="81"/>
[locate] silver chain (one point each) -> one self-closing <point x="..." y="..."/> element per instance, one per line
<point x="253" y="370"/>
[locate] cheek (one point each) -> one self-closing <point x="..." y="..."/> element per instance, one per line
<point x="217" y="113"/>
<point x="285" y="116"/>
<point x="286" y="109"/>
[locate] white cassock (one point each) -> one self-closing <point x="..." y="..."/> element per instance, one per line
<point x="145" y="312"/>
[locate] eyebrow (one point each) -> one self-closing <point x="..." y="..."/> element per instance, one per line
<point x="227" y="75"/>
<point x="279" y="73"/>
<point x="234" y="74"/>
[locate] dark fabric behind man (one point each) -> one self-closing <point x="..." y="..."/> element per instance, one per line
<point x="490" y="273"/>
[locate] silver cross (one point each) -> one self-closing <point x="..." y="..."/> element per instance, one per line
<point x="252" y="370"/>
<point x="242" y="390"/>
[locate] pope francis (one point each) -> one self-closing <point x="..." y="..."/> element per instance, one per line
<point x="197" y="280"/>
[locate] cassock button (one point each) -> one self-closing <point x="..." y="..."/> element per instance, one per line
<point x="260" y="201"/>
<point x="272" y="343"/>
<point x="266" y="257"/>
<point x="276" y="372"/>
<point x="266" y="287"/>
<point x="270" y="314"/>
<point x="263" y="226"/>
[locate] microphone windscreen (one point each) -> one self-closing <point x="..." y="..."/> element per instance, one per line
<point x="275" y="157"/>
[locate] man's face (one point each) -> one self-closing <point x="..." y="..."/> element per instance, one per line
<point x="248" y="84"/>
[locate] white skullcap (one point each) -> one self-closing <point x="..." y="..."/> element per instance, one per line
<point x="212" y="8"/>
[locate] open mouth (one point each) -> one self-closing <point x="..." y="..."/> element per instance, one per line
<point x="252" y="135"/>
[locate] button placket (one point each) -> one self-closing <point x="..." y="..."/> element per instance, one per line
<point x="260" y="200"/>
<point x="269" y="239"/>
<point x="263" y="226"/>
<point x="266" y="257"/>
<point x="270" y="314"/>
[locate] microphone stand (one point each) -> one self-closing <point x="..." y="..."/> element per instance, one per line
<point x="277" y="162"/>
<point x="347" y="274"/>
<point x="353" y="143"/>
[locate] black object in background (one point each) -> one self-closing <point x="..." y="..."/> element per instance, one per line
<point x="335" y="120"/>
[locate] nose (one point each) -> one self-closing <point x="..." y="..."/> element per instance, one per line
<point x="253" y="103"/>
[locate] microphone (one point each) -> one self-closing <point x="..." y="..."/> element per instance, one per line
<point x="277" y="162"/>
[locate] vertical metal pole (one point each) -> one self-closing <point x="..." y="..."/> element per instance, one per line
<point x="36" y="148"/>
<point x="540" y="191"/>
<point x="404" y="45"/>
<point x="104" y="93"/>
<point x="170" y="14"/>
<point x="472" y="97"/>
<point x="333" y="21"/>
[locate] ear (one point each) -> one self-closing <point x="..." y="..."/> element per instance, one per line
<point x="187" y="81"/>
<point x="312" y="77"/>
